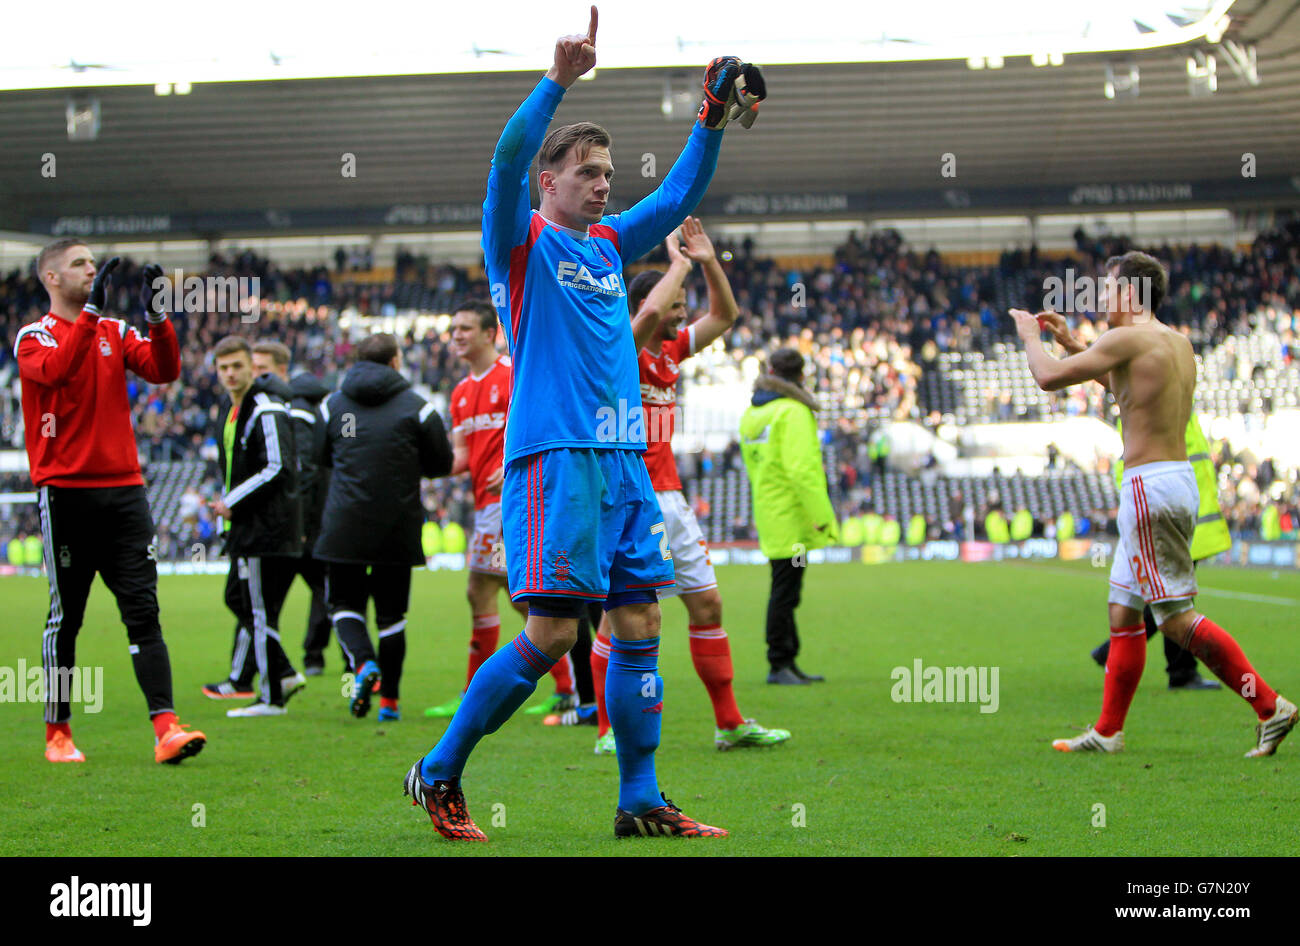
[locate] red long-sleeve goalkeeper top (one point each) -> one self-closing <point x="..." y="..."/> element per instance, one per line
<point x="75" y="409"/>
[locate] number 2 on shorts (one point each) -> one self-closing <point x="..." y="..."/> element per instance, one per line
<point x="664" y="550"/>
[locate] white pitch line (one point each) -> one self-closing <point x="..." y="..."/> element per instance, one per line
<point x="1221" y="592"/>
<point x="1247" y="596"/>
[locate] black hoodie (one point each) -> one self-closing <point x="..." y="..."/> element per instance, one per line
<point x="265" y="512"/>
<point x="380" y="438"/>
<point x="309" y="439"/>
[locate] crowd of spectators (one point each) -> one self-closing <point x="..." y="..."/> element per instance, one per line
<point x="872" y="320"/>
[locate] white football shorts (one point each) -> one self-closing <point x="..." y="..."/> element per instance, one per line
<point x="486" y="553"/>
<point x="691" y="562"/>
<point x="1158" y="503"/>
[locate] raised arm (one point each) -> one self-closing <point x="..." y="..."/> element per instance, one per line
<point x="658" y="213"/>
<point x="659" y="300"/>
<point x="1055" y="323"/>
<point x="157" y="359"/>
<point x="1112" y="349"/>
<point x="722" y="303"/>
<point x="732" y="89"/>
<point x="506" y="210"/>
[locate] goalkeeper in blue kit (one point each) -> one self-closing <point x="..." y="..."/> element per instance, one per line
<point x="580" y="521"/>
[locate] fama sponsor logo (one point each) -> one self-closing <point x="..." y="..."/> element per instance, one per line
<point x="576" y="276"/>
<point x="78" y="899"/>
<point x="493" y="421"/>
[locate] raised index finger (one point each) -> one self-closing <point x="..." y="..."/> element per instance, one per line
<point x="591" y="27"/>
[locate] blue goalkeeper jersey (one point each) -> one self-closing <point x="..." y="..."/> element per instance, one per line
<point x="561" y="297"/>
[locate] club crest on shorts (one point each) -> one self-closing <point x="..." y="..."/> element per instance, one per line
<point x="65" y="557"/>
<point x="562" y="566"/>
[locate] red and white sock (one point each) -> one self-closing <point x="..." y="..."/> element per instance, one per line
<point x="52" y="728"/>
<point x="1124" y="666"/>
<point x="711" y="654"/>
<point x="599" y="666"/>
<point x="562" y="671"/>
<point x="482" y="642"/>
<point x="1215" y="647"/>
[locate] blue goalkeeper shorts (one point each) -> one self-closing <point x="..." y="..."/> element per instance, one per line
<point x="582" y="523"/>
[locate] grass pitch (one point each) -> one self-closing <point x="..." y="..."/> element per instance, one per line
<point x="863" y="774"/>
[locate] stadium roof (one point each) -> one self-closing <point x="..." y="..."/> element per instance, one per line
<point x="395" y="37"/>
<point x="835" y="139"/>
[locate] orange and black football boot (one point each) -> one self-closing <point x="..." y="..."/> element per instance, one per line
<point x="666" y="821"/>
<point x="444" y="803"/>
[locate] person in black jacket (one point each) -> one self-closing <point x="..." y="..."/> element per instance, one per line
<point x="272" y="357"/>
<point x="380" y="438"/>
<point x="261" y="503"/>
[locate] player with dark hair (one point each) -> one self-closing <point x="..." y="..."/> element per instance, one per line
<point x="581" y="521"/>
<point x="1151" y="370"/>
<point x="478" y="424"/>
<point x="95" y="515"/>
<point x="671" y="341"/>
<point x="381" y="437"/>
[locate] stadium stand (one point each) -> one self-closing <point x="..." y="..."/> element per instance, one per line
<point x="891" y="335"/>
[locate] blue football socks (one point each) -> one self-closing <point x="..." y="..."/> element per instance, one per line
<point x="500" y="686"/>
<point x="634" y="695"/>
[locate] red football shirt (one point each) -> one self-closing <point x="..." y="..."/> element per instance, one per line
<point x="478" y="410"/>
<point x="659" y="374"/>
<point x="75" y="409"/>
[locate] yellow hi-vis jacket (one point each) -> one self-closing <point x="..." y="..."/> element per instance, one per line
<point x="1211" y="536"/>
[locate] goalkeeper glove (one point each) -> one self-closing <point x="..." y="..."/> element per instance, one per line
<point x="748" y="90"/>
<point x="732" y="90"/>
<point x="99" y="288"/>
<point x="719" y="83"/>
<point x="151" y="274"/>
